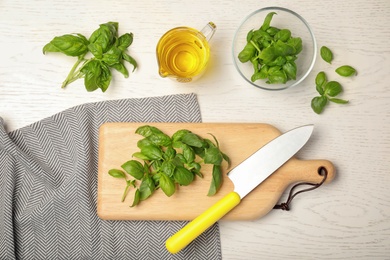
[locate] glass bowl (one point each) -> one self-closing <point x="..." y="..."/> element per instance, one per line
<point x="283" y="19"/>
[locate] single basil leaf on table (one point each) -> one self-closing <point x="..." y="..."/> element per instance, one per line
<point x="346" y="71"/>
<point x="318" y="104"/>
<point x="326" y="54"/>
<point x="117" y="173"/>
<point x="333" y="88"/>
<point x="320" y="82"/>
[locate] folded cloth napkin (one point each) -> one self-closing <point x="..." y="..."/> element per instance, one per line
<point x="48" y="187"/>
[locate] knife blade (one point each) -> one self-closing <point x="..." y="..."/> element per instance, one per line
<point x="246" y="176"/>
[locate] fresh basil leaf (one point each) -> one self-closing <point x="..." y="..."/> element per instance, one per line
<point x="213" y="156"/>
<point x="333" y="88"/>
<point x="318" y="104"/>
<point x="117" y="173"/>
<point x="130" y="60"/>
<point x="272" y="31"/>
<point x="137" y="197"/>
<point x="160" y="139"/>
<point x="346" y="71"/>
<point x="284" y="49"/>
<point x="290" y="68"/>
<point x="147" y="130"/>
<point x="296" y="42"/>
<point x="146" y="188"/>
<point x="124" y="41"/>
<point x="134" y="168"/>
<point x="249" y="36"/>
<point x="141" y="156"/>
<point x="216" y="181"/>
<point x="178" y="135"/>
<point x="153" y="152"/>
<point x="267" y="21"/>
<point x="96" y="50"/>
<point x="188" y="154"/>
<point x="121" y="68"/>
<point x="170" y="153"/>
<point x="247" y="53"/>
<point x="268" y="55"/>
<point x="278" y="77"/>
<point x="283" y="35"/>
<point x="68" y="44"/>
<point x="167" y="185"/>
<point x="168" y="168"/>
<point x="338" y="101"/>
<point x="97" y="75"/>
<point x="326" y="54"/>
<point x="105" y="36"/>
<point x="320" y="82"/>
<point x="183" y="176"/>
<point x="192" y="140"/>
<point x="112" y="56"/>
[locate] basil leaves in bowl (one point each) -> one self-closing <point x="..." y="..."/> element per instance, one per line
<point x="274" y="48"/>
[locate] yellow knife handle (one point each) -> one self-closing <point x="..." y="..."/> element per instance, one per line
<point x="197" y="226"/>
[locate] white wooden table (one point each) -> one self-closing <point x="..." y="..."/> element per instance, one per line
<point x="347" y="219"/>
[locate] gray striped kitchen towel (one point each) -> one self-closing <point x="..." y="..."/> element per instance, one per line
<point x="48" y="187"/>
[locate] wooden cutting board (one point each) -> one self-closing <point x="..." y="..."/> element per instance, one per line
<point x="118" y="141"/>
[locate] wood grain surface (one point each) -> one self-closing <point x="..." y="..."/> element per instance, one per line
<point x="347" y="219"/>
<point x="118" y="141"/>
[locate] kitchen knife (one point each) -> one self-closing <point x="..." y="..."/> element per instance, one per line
<point x="245" y="177"/>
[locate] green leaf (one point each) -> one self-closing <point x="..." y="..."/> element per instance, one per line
<point x="167" y="185"/>
<point x="320" y="82"/>
<point x="134" y="168"/>
<point x="146" y="188"/>
<point x="124" y="41"/>
<point x="272" y="31"/>
<point x="346" y="71"/>
<point x="169" y="153"/>
<point x="183" y="176"/>
<point x="213" y="156"/>
<point x="333" y="88"/>
<point x="296" y="42"/>
<point x="326" y="54"/>
<point x="277" y="77"/>
<point x="188" y="154"/>
<point x="247" y="53"/>
<point x="267" y="21"/>
<point x="137" y="197"/>
<point x="290" y="68"/>
<point x="68" y="44"/>
<point x="160" y="139"/>
<point x="153" y="152"/>
<point x="168" y="168"/>
<point x="192" y="140"/>
<point x="147" y="130"/>
<point x="130" y="60"/>
<point x="112" y="56"/>
<point x="141" y="156"/>
<point x="338" y="101"/>
<point x="216" y="181"/>
<point x="117" y="173"/>
<point x="96" y="50"/>
<point x="283" y="35"/>
<point x="318" y="104"/>
<point x="121" y="68"/>
<point x="284" y="49"/>
<point x="268" y="55"/>
<point x="97" y="75"/>
<point x="105" y="36"/>
<point x="178" y="135"/>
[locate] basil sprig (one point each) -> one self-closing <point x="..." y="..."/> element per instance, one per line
<point x="170" y="161"/>
<point x="108" y="52"/>
<point x="272" y="52"/>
